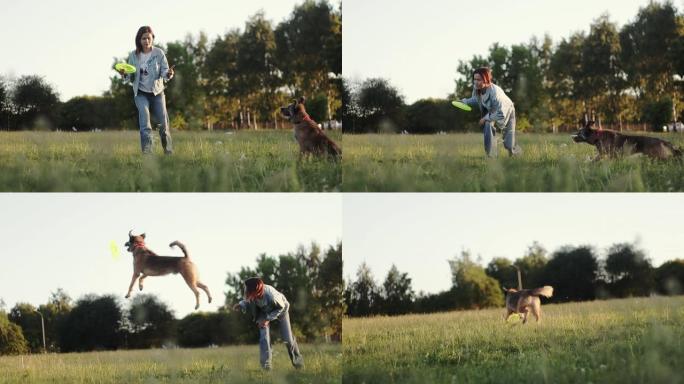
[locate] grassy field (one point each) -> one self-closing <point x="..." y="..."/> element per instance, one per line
<point x="456" y="162"/>
<point x="239" y="364"/>
<point x="203" y="161"/>
<point x="617" y="341"/>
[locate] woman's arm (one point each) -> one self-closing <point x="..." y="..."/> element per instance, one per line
<point x="496" y="113"/>
<point x="472" y="101"/>
<point x="278" y="305"/>
<point x="165" y="68"/>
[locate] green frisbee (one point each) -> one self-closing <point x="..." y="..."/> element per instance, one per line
<point x="460" y="105"/>
<point x="127" y="68"/>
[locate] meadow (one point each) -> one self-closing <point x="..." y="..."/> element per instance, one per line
<point x="456" y="162"/>
<point x="616" y="341"/>
<point x="266" y="160"/>
<point x="236" y="364"/>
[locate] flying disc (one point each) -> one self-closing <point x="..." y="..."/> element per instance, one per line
<point x="127" y="68"/>
<point x="115" y="250"/>
<point x="460" y="105"/>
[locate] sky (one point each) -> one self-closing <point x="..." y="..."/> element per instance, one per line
<point x="417" y="45"/>
<point x="72" y="43"/>
<point x="420" y="232"/>
<point x="64" y="241"/>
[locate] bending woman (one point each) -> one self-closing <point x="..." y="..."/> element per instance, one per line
<point x="152" y="71"/>
<point x="496" y="110"/>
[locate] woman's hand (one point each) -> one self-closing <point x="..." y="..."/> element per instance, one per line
<point x="122" y="73"/>
<point x="482" y="121"/>
<point x="170" y="73"/>
<point x="262" y="323"/>
<point x="236" y="307"/>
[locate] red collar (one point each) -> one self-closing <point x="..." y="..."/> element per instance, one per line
<point x="137" y="245"/>
<point x="306" y="117"/>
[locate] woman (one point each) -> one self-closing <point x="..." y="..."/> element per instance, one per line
<point x="152" y="71"/>
<point x="266" y="304"/>
<point x="496" y="110"/>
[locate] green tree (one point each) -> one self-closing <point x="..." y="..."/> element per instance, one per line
<point x="25" y="316"/>
<point x="532" y="265"/>
<point x="93" y="324"/>
<point x="629" y="271"/>
<point x="381" y="106"/>
<point x="501" y="269"/>
<point x="472" y="287"/>
<point x="152" y="323"/>
<point x="669" y="277"/>
<point x="12" y="340"/>
<point x="363" y="295"/>
<point x="55" y="312"/>
<point x="573" y="273"/>
<point x="397" y="294"/>
<point x="35" y="102"/>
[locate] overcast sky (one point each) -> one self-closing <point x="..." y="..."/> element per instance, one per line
<point x="72" y="43"/>
<point x="417" y="45"/>
<point x="420" y="232"/>
<point x="65" y="241"/>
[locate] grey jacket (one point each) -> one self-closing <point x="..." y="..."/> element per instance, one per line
<point x="269" y="307"/>
<point x="494" y="99"/>
<point x="158" y="71"/>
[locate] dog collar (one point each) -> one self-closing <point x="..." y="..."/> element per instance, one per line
<point x="138" y="245"/>
<point x="306" y="117"/>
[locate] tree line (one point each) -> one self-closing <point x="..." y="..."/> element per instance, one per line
<point x="626" y="78"/>
<point x="310" y="278"/>
<point x="237" y="80"/>
<point x="577" y="273"/>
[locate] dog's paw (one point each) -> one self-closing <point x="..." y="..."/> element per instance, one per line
<point x="140" y="286"/>
<point x="209" y="299"/>
<point x="127" y="296"/>
<point x="196" y="307"/>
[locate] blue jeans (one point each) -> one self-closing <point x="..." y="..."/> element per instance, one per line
<point x="288" y="338"/>
<point x="509" y="138"/>
<point x="145" y="102"/>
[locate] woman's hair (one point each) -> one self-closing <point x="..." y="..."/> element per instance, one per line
<point x="486" y="75"/>
<point x="138" y="36"/>
<point x="254" y="288"/>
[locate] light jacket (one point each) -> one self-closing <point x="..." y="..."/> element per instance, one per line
<point x="269" y="307"/>
<point x="158" y="70"/>
<point x="495" y="101"/>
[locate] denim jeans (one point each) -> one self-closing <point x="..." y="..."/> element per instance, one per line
<point x="145" y="102"/>
<point x="509" y="138"/>
<point x="288" y="338"/>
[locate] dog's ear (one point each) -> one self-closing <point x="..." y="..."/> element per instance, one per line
<point x="142" y="235"/>
<point x="301" y="100"/>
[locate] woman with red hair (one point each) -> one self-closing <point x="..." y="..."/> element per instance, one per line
<point x="266" y="304"/>
<point x="496" y="110"/>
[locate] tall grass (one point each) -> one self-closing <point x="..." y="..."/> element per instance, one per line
<point x="617" y="341"/>
<point x="203" y="161"/>
<point x="456" y="162"/>
<point x="239" y="364"/>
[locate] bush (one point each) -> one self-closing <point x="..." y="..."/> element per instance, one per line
<point x="12" y="340"/>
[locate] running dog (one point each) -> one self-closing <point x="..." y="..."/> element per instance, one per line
<point x="148" y="263"/>
<point x="612" y="143"/>
<point x="310" y="137"/>
<point x="523" y="301"/>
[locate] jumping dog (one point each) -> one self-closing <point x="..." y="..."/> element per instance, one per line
<point x="147" y="263"/>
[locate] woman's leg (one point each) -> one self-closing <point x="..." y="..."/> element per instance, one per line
<point x="143" y="105"/>
<point x="289" y="339"/>
<point x="509" y="136"/>
<point x="161" y="115"/>
<point x="489" y="139"/>
<point x="265" y="347"/>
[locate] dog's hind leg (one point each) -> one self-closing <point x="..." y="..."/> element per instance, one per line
<point x="130" y="287"/>
<point x="536" y="311"/>
<point x="192" y="283"/>
<point x="205" y="289"/>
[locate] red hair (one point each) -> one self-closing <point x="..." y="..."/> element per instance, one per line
<point x="254" y="288"/>
<point x="486" y="75"/>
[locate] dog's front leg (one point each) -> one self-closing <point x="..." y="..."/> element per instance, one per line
<point x="130" y="287"/>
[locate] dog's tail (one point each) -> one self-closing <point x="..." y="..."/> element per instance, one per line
<point x="546" y="291"/>
<point x="181" y="246"/>
<point x="332" y="148"/>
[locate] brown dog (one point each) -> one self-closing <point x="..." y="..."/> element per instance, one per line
<point x="148" y="263"/>
<point x="523" y="301"/>
<point x="613" y="143"/>
<point x="310" y="137"/>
